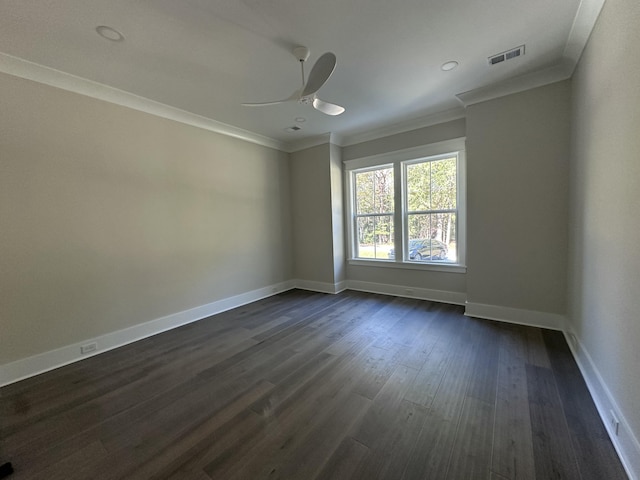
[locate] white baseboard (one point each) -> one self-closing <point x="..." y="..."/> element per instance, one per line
<point x="322" y="287"/>
<point x="625" y="442"/>
<point x="531" y="318"/>
<point x="43" y="362"/>
<point x="443" y="296"/>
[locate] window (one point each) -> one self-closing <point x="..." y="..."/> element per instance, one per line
<point x="407" y="208"/>
<point x="374" y="212"/>
<point x="430" y="214"/>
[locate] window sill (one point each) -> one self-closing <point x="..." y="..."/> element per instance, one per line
<point x="449" y="268"/>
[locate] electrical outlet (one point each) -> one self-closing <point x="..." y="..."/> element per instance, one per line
<point x="408" y="291"/>
<point x="88" y="348"/>
<point x="615" y="423"/>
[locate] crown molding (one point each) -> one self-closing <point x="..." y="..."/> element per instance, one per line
<point x="19" y="67"/>
<point x="518" y="84"/>
<point x="404" y="126"/>
<point x="583" y="23"/>
<point x="309" y="142"/>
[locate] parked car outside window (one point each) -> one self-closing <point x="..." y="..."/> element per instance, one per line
<point x="424" y="249"/>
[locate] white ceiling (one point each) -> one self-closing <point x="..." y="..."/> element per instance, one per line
<point x="207" y="57"/>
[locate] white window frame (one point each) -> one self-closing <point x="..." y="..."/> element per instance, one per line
<point x="392" y="214"/>
<point x="399" y="160"/>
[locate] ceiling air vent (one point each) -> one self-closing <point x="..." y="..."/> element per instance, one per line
<point x="508" y="55"/>
<point x="295" y="128"/>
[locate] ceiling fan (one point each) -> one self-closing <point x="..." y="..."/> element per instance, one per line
<point x="307" y="94"/>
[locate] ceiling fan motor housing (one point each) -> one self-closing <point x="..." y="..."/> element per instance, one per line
<point x="301" y="53"/>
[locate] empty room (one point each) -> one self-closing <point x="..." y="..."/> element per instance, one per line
<point x="320" y="240"/>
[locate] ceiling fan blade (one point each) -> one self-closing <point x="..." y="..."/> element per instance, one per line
<point x="326" y="107"/>
<point x="294" y="96"/>
<point x="320" y="73"/>
<point x="263" y="104"/>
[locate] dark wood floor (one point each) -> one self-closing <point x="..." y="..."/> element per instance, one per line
<point x="312" y="386"/>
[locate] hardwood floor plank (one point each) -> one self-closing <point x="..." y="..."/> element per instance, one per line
<point x="430" y="456"/>
<point x="130" y="392"/>
<point x="536" y="351"/>
<point x="444" y="350"/>
<point x="404" y="330"/>
<point x="290" y="419"/>
<point x="225" y="448"/>
<point x="309" y="372"/>
<point x="471" y="453"/>
<point x="122" y="377"/>
<point x="496" y="476"/>
<point x="580" y="412"/>
<point x="485" y="369"/>
<point x="383" y="413"/>
<point x="512" y="443"/>
<point x="390" y="451"/>
<point x="194" y="440"/>
<point x="344" y="461"/>
<point x="376" y="368"/>
<point x="292" y="424"/>
<point x="314" y="450"/>
<point x="552" y="448"/>
<point x="300" y="317"/>
<point x="588" y="434"/>
<point x="597" y="459"/>
<point x="70" y="466"/>
<point x="155" y="436"/>
<point x="424" y="342"/>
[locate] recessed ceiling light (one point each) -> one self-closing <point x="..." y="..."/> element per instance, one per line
<point x="301" y="119"/>
<point x="447" y="66"/>
<point x="109" y="33"/>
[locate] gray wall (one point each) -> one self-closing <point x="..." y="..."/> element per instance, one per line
<point x="311" y="200"/>
<point x="413" y="138"/>
<point x="517" y="183"/>
<point x="111" y="217"/>
<point x="605" y="203"/>
<point x="337" y="214"/>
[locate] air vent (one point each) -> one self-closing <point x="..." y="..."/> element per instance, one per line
<point x="508" y="55"/>
<point x="295" y="128"/>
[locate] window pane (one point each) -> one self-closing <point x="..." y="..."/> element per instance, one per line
<point x="364" y="192"/>
<point x="375" y="237"/>
<point x="374" y="191"/>
<point x="432" y="237"/>
<point x="419" y="186"/>
<point x="443" y="184"/>
<point x="431" y="185"/>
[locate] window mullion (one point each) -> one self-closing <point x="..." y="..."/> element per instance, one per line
<point x="426" y="212"/>
<point x="363" y="215"/>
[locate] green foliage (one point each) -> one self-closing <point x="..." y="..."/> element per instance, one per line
<point x="374" y="196"/>
<point x="431" y="186"/>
